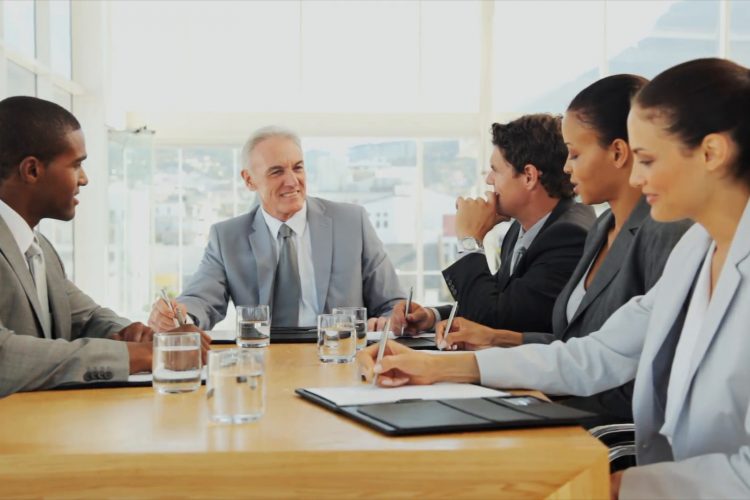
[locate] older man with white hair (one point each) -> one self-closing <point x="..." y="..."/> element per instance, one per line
<point x="301" y="255"/>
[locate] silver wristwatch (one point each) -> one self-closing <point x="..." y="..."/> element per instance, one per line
<point x="468" y="244"/>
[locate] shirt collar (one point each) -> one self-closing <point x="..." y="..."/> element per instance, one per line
<point x="20" y="230"/>
<point x="525" y="238"/>
<point x="297" y="222"/>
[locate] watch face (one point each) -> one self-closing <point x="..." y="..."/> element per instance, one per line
<point x="469" y="244"/>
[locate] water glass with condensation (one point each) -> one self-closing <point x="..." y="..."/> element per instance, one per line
<point x="337" y="339"/>
<point x="253" y="326"/>
<point x="236" y="387"/>
<point x="176" y="363"/>
<point x="360" y="322"/>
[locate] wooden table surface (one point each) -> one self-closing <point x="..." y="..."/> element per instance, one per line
<point x="133" y="442"/>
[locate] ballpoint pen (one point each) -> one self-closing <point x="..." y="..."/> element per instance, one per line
<point x="176" y="311"/>
<point x="408" y="306"/>
<point x="381" y="348"/>
<point x="449" y="323"/>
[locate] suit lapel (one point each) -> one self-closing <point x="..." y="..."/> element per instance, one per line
<point x="589" y="254"/>
<point x="58" y="300"/>
<point x="616" y="256"/>
<point x="721" y="301"/>
<point x="561" y="207"/>
<point x="506" y="253"/>
<point x="263" y="251"/>
<point x="9" y="249"/>
<point x="321" y="241"/>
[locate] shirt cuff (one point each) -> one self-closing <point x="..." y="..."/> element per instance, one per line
<point x="464" y="253"/>
<point x="437" y="315"/>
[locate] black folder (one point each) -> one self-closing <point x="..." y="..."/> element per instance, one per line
<point x="410" y="417"/>
<point x="420" y="344"/>
<point x="280" y="335"/>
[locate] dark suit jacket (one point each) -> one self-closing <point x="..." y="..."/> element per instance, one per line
<point x="633" y="265"/>
<point x="523" y="301"/>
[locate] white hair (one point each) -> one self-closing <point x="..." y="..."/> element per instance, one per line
<point x="261" y="135"/>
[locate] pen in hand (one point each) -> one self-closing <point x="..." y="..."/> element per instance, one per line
<point x="448" y="325"/>
<point x="408" y="306"/>
<point x="381" y="348"/>
<point x="178" y="314"/>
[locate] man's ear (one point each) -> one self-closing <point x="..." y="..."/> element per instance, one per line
<point x="531" y="176"/>
<point x="245" y="173"/>
<point x="30" y="170"/>
<point x="718" y="151"/>
<point x="620" y="152"/>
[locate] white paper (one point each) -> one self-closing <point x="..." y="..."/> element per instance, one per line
<point x="375" y="336"/>
<point x="141" y="378"/>
<point x="368" y="394"/>
<point x="223" y="335"/>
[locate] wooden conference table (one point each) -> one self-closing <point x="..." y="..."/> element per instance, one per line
<point x="133" y="442"/>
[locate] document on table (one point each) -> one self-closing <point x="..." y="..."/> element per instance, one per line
<point x="223" y="335"/>
<point x="368" y="394"/>
<point x="144" y="378"/>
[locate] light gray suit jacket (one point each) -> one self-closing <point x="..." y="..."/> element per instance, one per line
<point x="710" y="454"/>
<point x="350" y="264"/>
<point x="27" y="360"/>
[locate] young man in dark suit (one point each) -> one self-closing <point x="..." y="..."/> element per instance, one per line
<point x="539" y="251"/>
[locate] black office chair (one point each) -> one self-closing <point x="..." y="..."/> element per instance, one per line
<point x="620" y="439"/>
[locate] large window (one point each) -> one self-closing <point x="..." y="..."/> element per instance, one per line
<point x="164" y="199"/>
<point x="739" y="43"/>
<point x="393" y="100"/>
<point x="38" y="60"/>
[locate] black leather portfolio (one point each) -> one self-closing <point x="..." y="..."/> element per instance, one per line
<point x="456" y="415"/>
<point x="294" y="334"/>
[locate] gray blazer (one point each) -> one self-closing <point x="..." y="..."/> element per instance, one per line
<point x="710" y="453"/>
<point x="633" y="265"/>
<point x="27" y="360"/>
<point x="350" y="264"/>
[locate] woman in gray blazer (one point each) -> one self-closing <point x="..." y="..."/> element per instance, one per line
<point x="625" y="251"/>
<point x="688" y="345"/>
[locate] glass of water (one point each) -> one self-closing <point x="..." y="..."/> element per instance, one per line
<point x="176" y="365"/>
<point x="253" y="326"/>
<point x="337" y="339"/>
<point x="236" y="389"/>
<point x="360" y="322"/>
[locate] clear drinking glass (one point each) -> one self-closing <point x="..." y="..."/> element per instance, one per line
<point x="253" y="326"/>
<point x="360" y="322"/>
<point x="337" y="339"/>
<point x="236" y="387"/>
<point x="176" y="365"/>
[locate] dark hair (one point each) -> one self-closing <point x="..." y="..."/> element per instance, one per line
<point x="604" y="106"/>
<point x="30" y="126"/>
<point x="702" y="97"/>
<point x="537" y="140"/>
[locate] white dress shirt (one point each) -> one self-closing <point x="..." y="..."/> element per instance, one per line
<point x="20" y="230"/>
<point x="576" y="296"/>
<point x="692" y="331"/>
<point x="308" y="306"/>
<point x="525" y="239"/>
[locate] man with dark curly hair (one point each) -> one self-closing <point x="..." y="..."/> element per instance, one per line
<point x="539" y="251"/>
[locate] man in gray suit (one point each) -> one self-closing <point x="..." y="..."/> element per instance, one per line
<point x="51" y="333"/>
<point x="301" y="255"/>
